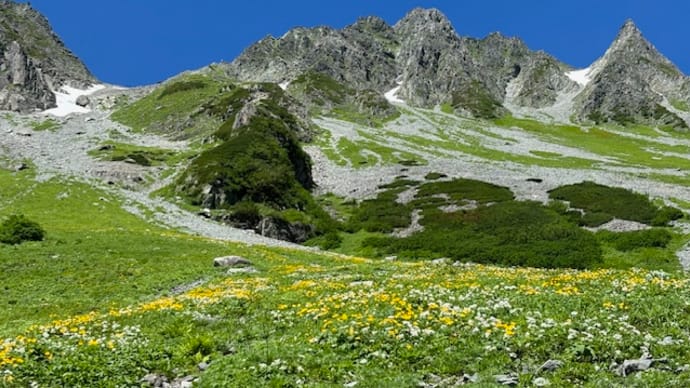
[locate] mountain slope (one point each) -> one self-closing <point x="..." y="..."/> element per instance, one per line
<point x="630" y="83"/>
<point x="34" y="61"/>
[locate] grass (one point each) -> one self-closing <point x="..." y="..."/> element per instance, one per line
<point x="95" y="254"/>
<point x="169" y="108"/>
<point x="45" y="125"/>
<point x="627" y="150"/>
<point x="322" y="320"/>
<point x="145" y="156"/>
<point x="680" y="105"/>
<point x="93" y="306"/>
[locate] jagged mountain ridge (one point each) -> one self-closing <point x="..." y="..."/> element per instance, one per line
<point x="433" y="66"/>
<point x="34" y="62"/>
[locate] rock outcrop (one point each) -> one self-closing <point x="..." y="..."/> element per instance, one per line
<point x="22" y="85"/>
<point x="33" y="60"/>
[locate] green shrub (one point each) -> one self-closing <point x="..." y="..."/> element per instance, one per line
<point x="594" y="219"/>
<point x="628" y="241"/>
<point x="432" y="176"/>
<point x="261" y="162"/>
<point x="466" y="189"/>
<point x="665" y="215"/>
<point x="17" y="229"/>
<point x="381" y="214"/>
<point x="245" y="212"/>
<point x="506" y="233"/>
<point x="328" y="241"/>
<point x="617" y="202"/>
<point x="399" y="182"/>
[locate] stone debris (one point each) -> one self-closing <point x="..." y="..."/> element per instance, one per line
<point x="231" y="261"/>
<point x="551" y="365"/>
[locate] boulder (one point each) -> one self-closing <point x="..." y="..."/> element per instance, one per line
<point x="83" y="101"/>
<point x="231" y="261"/>
<point x="551" y="365"/>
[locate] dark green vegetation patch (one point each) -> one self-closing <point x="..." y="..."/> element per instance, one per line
<point x="17" y="229"/>
<point x="468" y="220"/>
<point x="602" y="203"/>
<point x="466" y="189"/>
<point x="507" y="233"/>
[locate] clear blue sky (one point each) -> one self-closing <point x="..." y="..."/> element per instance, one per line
<point x="135" y="42"/>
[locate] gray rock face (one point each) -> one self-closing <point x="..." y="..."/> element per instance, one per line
<point x="422" y="52"/>
<point x="540" y="82"/>
<point x="22" y="85"/>
<point x="350" y="56"/>
<point x="433" y="60"/>
<point x="33" y="60"/>
<point x="630" y="82"/>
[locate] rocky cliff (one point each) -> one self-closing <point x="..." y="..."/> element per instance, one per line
<point x="33" y="60"/>
<point x="431" y="65"/>
<point x="422" y="54"/>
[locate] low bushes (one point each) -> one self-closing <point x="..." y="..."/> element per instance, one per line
<point x="17" y="229"/>
<point x="628" y="241"/>
<point x="466" y="189"/>
<point x="381" y="214"/>
<point x="507" y="233"/>
<point x="603" y="203"/>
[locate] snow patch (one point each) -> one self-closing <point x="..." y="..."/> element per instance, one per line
<point x="582" y="76"/>
<point x="66" y="99"/>
<point x="284" y="85"/>
<point x="392" y="95"/>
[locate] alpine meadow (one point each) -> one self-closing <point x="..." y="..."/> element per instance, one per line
<point x="372" y="206"/>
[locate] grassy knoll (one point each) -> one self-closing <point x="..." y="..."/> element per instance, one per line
<point x="144" y="156"/>
<point x="173" y="108"/>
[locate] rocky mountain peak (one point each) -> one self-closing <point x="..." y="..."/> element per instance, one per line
<point x="629" y="30"/>
<point x="632" y="82"/>
<point x="370" y="23"/>
<point x="424" y="20"/>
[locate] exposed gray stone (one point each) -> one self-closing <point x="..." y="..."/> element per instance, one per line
<point x="231" y="261"/>
<point x="551" y="365"/>
<point x="33" y="60"/>
<point x="631" y="366"/>
<point x="154" y="380"/>
<point x="510" y="379"/>
<point x="83" y="101"/>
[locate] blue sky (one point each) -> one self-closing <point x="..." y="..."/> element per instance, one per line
<point x="136" y="42"/>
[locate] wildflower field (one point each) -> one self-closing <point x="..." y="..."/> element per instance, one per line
<point x="108" y="298"/>
<point x="305" y="318"/>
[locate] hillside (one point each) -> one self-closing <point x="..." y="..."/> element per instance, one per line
<point x="405" y="207"/>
